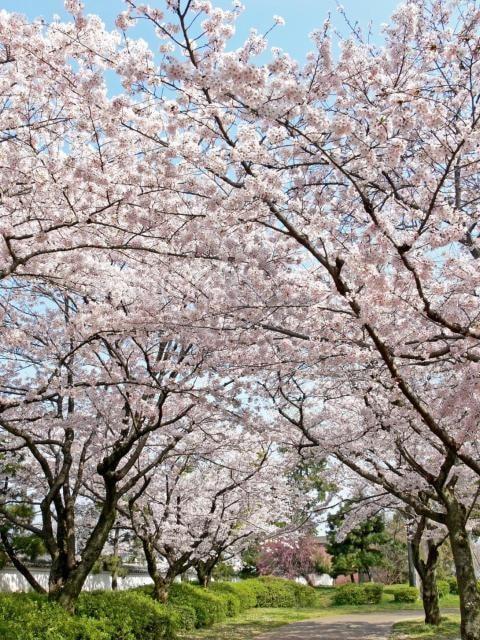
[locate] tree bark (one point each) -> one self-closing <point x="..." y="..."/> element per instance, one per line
<point x="426" y="569"/>
<point x="464" y="567"/>
<point x="430" y="600"/>
<point x="66" y="582"/>
<point x="201" y="575"/>
<point x="412" y="578"/>
<point x="204" y="572"/>
<point x="114" y="572"/>
<point x="160" y="585"/>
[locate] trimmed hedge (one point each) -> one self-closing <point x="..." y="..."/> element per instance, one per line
<point x="241" y="590"/>
<point x="264" y="592"/>
<point x="365" y="593"/>
<point x="25" y="616"/>
<point x="105" y="615"/>
<point x="130" y="615"/>
<point x="232" y="600"/>
<point x="278" y="592"/>
<point x="133" y="614"/>
<point x="186" y="616"/>
<point x="209" y="607"/>
<point x="403" y="593"/>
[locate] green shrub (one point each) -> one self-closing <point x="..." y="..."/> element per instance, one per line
<point x="453" y="585"/>
<point x="185" y="615"/>
<point x="277" y="592"/>
<point x="366" y="593"/>
<point x="33" y="617"/>
<point x="403" y="593"/>
<point x="234" y="605"/>
<point x="273" y="592"/>
<point x="242" y="590"/>
<point x="209" y="607"/>
<point x="130" y="614"/>
<point x="373" y="592"/>
<point x="306" y="596"/>
<point x="443" y="587"/>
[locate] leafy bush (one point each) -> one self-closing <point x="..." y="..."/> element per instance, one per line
<point x="273" y="592"/>
<point x="209" y="607"/>
<point x="453" y="585"/>
<point x="306" y="596"/>
<point x="278" y="592"/>
<point x="367" y="593"/>
<point x="130" y="614"/>
<point x="443" y="587"/>
<point x="233" y="602"/>
<point x="33" y="617"/>
<point x="242" y="590"/>
<point x="186" y="617"/>
<point x="403" y="593"/>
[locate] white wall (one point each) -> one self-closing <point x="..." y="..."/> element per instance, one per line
<point x="11" y="580"/>
<point x="318" y="580"/>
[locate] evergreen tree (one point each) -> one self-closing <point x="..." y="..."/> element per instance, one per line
<point x="358" y="551"/>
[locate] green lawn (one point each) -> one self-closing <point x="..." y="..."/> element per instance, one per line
<point x="253" y="622"/>
<point x="414" y="630"/>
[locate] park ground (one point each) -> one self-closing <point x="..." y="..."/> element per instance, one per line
<point x="387" y="620"/>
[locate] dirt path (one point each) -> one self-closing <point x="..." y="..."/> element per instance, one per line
<point x="370" y="626"/>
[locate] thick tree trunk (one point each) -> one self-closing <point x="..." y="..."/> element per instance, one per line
<point x="430" y="600"/>
<point x="160" y="589"/>
<point x="204" y="572"/>
<point x="160" y="584"/>
<point x="464" y="567"/>
<point x="66" y="582"/>
<point x="202" y="575"/>
<point x="426" y="569"/>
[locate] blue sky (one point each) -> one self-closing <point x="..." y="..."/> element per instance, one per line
<point x="302" y="16"/>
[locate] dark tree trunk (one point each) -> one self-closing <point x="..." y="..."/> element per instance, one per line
<point x="426" y="569"/>
<point x="430" y="600"/>
<point x="66" y="582"/>
<point x="204" y="576"/>
<point x="114" y="572"/>
<point x="467" y="583"/>
<point x="204" y="572"/>
<point x="160" y="584"/>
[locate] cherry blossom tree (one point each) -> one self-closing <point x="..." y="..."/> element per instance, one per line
<point x="196" y="510"/>
<point x="351" y="186"/>
<point x="87" y="412"/>
<point x="323" y="214"/>
<point x="293" y="556"/>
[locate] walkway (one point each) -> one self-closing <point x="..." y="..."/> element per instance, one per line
<point x="365" y="626"/>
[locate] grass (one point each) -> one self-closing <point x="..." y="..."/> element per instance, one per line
<point x="325" y="595"/>
<point x="415" y="630"/>
<point x="254" y="622"/>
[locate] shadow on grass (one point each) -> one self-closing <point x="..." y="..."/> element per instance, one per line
<point x="449" y="629"/>
<point x="251" y="624"/>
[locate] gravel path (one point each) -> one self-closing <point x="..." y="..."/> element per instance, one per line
<point x="344" y="627"/>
